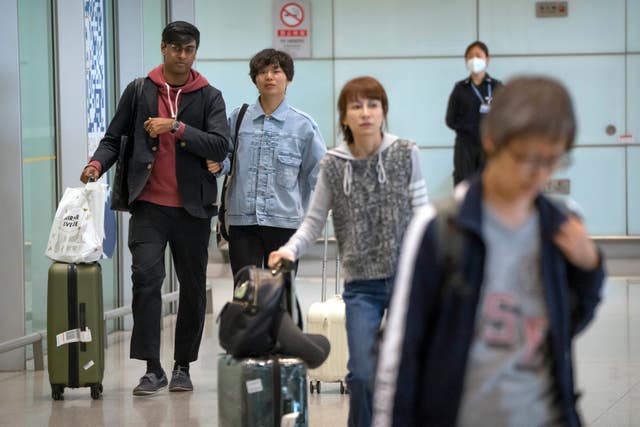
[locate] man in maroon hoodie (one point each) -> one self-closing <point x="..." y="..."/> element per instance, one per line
<point x="178" y="122"/>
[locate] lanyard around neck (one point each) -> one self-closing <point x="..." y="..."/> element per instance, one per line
<point x="477" y="92"/>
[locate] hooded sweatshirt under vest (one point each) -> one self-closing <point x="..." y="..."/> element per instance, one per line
<point x="372" y="201"/>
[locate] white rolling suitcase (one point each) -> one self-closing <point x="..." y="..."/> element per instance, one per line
<point x="328" y="318"/>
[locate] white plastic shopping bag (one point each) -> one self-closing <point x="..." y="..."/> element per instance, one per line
<point x="78" y="227"/>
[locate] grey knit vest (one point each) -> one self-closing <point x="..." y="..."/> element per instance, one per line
<point x="370" y="222"/>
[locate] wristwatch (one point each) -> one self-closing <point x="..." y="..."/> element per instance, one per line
<point x="175" y="126"/>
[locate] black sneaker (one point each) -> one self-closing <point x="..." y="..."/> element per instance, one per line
<point x="180" y="380"/>
<point x="150" y="384"/>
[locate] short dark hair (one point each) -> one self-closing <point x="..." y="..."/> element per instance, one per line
<point x="479" y="44"/>
<point x="180" y="32"/>
<point x="530" y="106"/>
<point x="268" y="57"/>
<point x="366" y="87"/>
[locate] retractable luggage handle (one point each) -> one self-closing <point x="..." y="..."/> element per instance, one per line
<point x="323" y="296"/>
<point x="324" y="262"/>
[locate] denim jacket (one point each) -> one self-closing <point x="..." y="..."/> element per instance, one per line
<point x="276" y="167"/>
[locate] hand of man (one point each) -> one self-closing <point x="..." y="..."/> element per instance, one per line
<point x="89" y="173"/>
<point x="158" y="125"/>
<point x="276" y="256"/>
<point x="575" y="244"/>
<point x="214" y="167"/>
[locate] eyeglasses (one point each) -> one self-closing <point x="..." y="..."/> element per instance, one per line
<point x="535" y="163"/>
<point x="177" y="49"/>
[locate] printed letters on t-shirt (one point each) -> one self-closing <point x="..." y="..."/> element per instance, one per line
<point x="505" y="326"/>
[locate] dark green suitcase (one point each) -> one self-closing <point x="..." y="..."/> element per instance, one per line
<point x="259" y="392"/>
<point x="74" y="302"/>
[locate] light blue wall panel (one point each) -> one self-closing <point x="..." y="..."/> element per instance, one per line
<point x="311" y="90"/>
<point x="633" y="183"/>
<point x="240" y="28"/>
<point x="633" y="25"/>
<point x="373" y="28"/>
<point x="366" y="33"/>
<point x="233" y="29"/>
<point x="633" y="95"/>
<point x="598" y="185"/>
<point x="321" y="29"/>
<point x="153" y="22"/>
<point x="596" y="84"/>
<point x="511" y="27"/>
<point x="418" y="92"/>
<point x="437" y="167"/>
<point x="232" y="78"/>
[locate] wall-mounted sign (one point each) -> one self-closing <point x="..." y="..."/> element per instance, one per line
<point x="625" y="138"/>
<point x="292" y="27"/>
<point x="552" y="9"/>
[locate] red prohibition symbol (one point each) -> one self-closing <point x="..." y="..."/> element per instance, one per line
<point x="291" y="14"/>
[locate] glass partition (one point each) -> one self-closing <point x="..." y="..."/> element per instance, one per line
<point x="37" y="110"/>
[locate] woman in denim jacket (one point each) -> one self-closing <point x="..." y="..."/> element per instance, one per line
<point x="276" y="168"/>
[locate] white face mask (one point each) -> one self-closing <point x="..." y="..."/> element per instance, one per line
<point x="476" y="65"/>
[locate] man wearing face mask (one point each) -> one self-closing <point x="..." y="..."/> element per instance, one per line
<point x="469" y="101"/>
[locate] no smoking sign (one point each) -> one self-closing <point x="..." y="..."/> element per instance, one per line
<point x="291" y="27"/>
<point x="292" y="14"/>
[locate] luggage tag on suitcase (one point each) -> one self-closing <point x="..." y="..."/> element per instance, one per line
<point x="73" y="335"/>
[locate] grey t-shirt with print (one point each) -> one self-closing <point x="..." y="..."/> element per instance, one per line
<point x="508" y="376"/>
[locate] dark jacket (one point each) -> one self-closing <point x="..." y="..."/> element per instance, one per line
<point x="463" y="111"/>
<point x="206" y="136"/>
<point x="430" y="329"/>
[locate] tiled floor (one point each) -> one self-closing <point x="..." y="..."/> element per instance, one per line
<point x="608" y="358"/>
<point x="607" y="354"/>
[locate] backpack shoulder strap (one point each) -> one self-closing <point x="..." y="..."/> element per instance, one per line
<point x="138" y="84"/>
<point x="243" y="110"/>
<point x="450" y="246"/>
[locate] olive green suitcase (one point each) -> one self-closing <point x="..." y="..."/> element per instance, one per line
<point x="75" y="328"/>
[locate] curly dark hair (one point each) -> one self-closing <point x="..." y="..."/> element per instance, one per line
<point x="268" y="57"/>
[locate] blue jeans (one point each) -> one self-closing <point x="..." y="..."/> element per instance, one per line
<point x="365" y="301"/>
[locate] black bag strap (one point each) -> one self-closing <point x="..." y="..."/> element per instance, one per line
<point x="450" y="244"/>
<point x="138" y="84"/>
<point x="243" y="110"/>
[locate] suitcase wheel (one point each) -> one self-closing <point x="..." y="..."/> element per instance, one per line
<point x="312" y="387"/>
<point x="57" y="392"/>
<point x="96" y="391"/>
<point x="343" y="389"/>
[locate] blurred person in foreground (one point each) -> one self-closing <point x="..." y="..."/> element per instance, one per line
<point x="494" y="285"/>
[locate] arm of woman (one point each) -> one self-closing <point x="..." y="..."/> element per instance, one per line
<point x="417" y="186"/>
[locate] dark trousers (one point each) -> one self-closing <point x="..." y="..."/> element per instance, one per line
<point x="468" y="159"/>
<point x="252" y="244"/>
<point x="151" y="227"/>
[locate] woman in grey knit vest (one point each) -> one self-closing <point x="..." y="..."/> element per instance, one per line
<point x="372" y="182"/>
